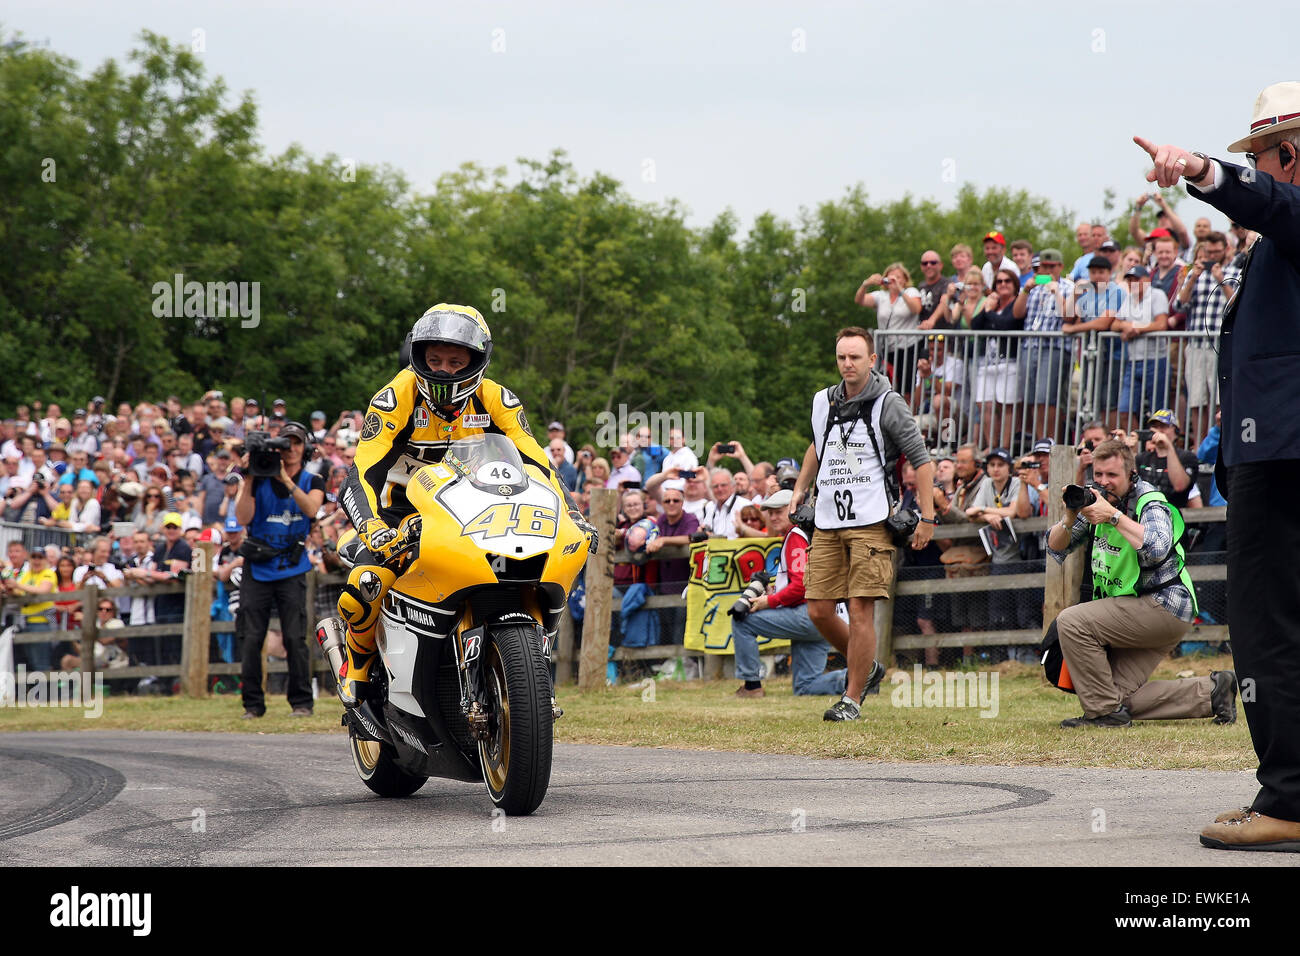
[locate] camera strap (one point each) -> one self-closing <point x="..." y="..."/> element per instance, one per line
<point x="891" y="482"/>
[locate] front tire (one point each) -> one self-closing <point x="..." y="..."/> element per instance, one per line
<point x="516" y="760"/>
<point x="376" y="765"/>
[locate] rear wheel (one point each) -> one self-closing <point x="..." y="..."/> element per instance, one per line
<point x="376" y="762"/>
<point x="516" y="759"/>
<point x="376" y="765"/>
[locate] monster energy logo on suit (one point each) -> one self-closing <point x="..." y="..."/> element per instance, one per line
<point x="1115" y="567"/>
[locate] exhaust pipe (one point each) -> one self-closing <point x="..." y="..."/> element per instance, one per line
<point x="330" y="634"/>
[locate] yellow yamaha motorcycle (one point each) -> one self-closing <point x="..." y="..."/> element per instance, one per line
<point x="466" y="631"/>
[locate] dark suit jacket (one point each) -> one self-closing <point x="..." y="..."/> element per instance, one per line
<point x="1259" y="344"/>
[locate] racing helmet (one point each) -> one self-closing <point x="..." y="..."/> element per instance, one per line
<point x="450" y="325"/>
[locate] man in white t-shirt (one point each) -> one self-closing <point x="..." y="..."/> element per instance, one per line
<point x="1145" y="382"/>
<point x="556" y="430"/>
<point x="101" y="573"/>
<point x="995" y="254"/>
<point x="719" y="514"/>
<point x="679" y="456"/>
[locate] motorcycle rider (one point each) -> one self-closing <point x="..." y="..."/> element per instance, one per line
<point x="438" y="398"/>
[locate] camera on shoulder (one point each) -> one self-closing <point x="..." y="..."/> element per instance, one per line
<point x="265" y="454"/>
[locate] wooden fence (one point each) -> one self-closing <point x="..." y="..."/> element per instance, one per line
<point x="1060" y="584"/>
<point x="195" y="630"/>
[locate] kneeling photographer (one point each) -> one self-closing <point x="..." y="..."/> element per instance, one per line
<point x="783" y="615"/>
<point x="276" y="505"/>
<point x="1143" y="603"/>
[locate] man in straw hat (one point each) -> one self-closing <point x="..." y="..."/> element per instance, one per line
<point x="1259" y="380"/>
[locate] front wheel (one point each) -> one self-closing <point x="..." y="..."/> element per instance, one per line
<point x="516" y="758"/>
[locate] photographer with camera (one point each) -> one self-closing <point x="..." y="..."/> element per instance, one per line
<point x="276" y="505"/>
<point x="783" y="615"/>
<point x="1142" y="604"/>
<point x="1171" y="470"/>
<point x="860" y="428"/>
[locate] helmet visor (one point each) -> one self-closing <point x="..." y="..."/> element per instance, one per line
<point x="454" y="328"/>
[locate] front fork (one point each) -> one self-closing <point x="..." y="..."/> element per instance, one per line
<point x="474" y="697"/>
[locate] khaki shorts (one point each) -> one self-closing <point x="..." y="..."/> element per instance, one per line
<point x="849" y="562"/>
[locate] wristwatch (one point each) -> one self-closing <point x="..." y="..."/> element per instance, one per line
<point x="1209" y="164"/>
<point x="927" y="520"/>
<point x="1114" y="518"/>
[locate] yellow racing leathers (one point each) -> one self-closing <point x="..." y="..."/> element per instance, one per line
<point x="402" y="434"/>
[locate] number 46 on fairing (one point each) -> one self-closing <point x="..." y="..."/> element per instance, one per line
<point x="501" y="519"/>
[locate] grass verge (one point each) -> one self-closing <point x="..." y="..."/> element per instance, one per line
<point x="707" y="716"/>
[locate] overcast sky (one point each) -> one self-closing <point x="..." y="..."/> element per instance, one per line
<point x="754" y="105"/>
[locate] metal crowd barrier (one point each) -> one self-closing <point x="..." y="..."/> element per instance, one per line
<point x="38" y="536"/>
<point x="1011" y="388"/>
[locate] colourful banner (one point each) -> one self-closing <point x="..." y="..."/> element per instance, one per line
<point x="720" y="571"/>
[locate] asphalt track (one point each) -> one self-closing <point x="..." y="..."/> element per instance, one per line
<point x="187" y="799"/>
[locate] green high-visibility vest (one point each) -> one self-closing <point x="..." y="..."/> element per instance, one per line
<point x="1115" y="567"/>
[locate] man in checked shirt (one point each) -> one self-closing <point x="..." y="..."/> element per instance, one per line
<point x="1143" y="602"/>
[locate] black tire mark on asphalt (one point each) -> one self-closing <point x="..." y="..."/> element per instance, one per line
<point x="264" y="816"/>
<point x="409" y="808"/>
<point x="90" y="786"/>
<point x="239" y="782"/>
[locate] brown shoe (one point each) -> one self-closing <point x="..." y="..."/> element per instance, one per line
<point x="756" y="692"/>
<point x="300" y="712"/>
<point x="1253" y="831"/>
<point x="1232" y="815"/>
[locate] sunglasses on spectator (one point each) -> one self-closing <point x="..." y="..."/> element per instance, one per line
<point x="106" y="607"/>
<point x="672" y="501"/>
<point x="1004" y="282"/>
<point x="931" y="262"/>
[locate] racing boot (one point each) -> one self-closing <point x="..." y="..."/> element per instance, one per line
<point x="359" y="606"/>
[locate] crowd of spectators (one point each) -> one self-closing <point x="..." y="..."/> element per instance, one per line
<point x="1009" y="390"/>
<point x="125" y="494"/>
<point x="120" y="498"/>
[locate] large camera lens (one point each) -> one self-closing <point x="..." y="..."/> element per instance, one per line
<point x="1076" y="497"/>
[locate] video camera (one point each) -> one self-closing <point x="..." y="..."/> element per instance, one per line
<point x="265" y="454"/>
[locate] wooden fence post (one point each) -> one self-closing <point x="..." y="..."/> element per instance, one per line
<point x="564" y="650"/>
<point x="600" y="592"/>
<point x="89" y="631"/>
<point x="884" y="615"/>
<point x="1061" y="582"/>
<point x="198" y="622"/>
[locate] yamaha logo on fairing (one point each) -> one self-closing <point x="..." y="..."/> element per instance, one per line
<point x="410" y="739"/>
<point x="415" y="616"/>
